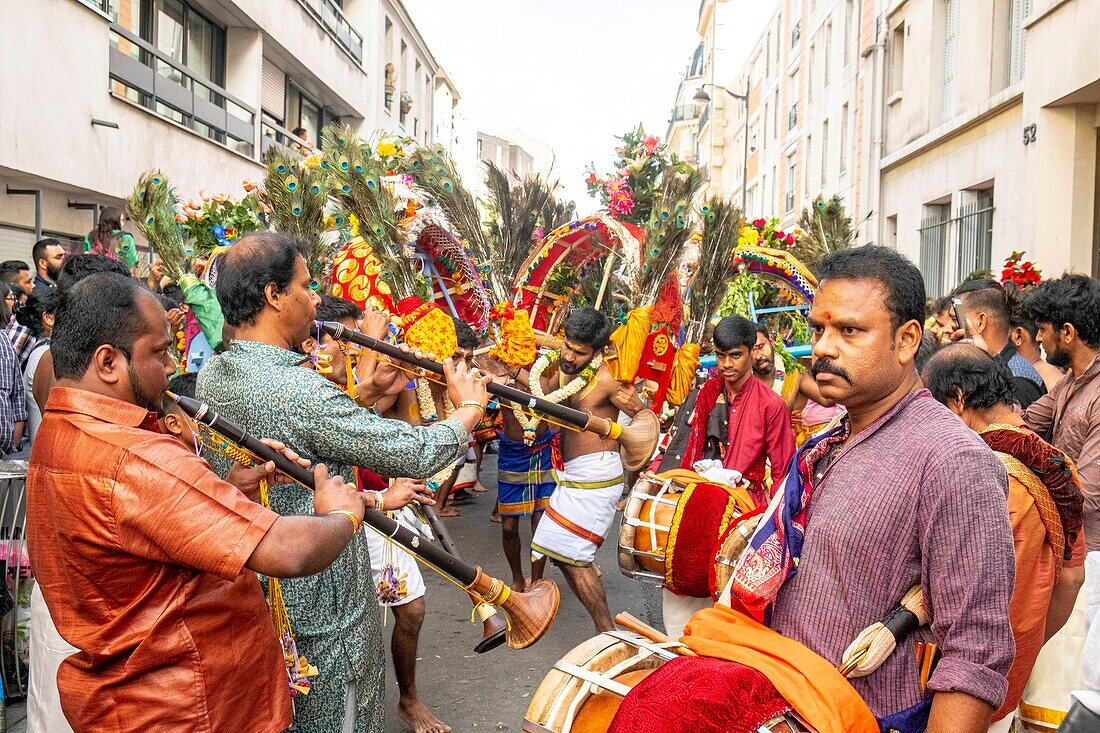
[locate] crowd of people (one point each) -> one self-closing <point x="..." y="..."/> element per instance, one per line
<point x="917" y="454"/>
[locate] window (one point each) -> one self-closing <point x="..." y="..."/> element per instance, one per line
<point x="404" y="72"/>
<point x="892" y="231"/>
<point x="389" y="71"/>
<point x="975" y="232"/>
<point x="1017" y="11"/>
<point x="790" y="183"/>
<point x="480" y="148"/>
<point x="304" y="113"/>
<point x="775" y="116"/>
<point x="764" y="128"/>
<point x="950" y="58"/>
<point x="828" y="51"/>
<point x="933" y="248"/>
<point x="810" y="59"/>
<point x="768" y="54"/>
<point x="792" y="117"/>
<point x="824" y="151"/>
<point x="796" y="34"/>
<point x="897" y="59"/>
<point x="851" y="34"/>
<point x="844" y="139"/>
<point x="806" y="160"/>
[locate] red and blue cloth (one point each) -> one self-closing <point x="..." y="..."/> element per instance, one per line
<point x="771" y="558"/>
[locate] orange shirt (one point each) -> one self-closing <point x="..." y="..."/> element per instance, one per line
<point x="140" y="549"/>
<point x="1035" y="578"/>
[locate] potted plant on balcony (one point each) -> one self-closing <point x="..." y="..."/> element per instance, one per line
<point x="406" y="102"/>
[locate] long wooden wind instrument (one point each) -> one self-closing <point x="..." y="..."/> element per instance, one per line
<point x="637" y="441"/>
<point x="529" y="614"/>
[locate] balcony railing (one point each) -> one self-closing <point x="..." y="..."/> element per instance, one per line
<point x="274" y="135"/>
<point x="158" y="82"/>
<point x="704" y="118"/>
<point x="685" y="112"/>
<point x="332" y="19"/>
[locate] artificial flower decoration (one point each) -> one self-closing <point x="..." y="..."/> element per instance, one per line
<point x="1023" y="274"/>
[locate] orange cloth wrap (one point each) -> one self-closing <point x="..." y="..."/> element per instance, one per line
<point x="813" y="687"/>
<point x="517" y="345"/>
<point x="683" y="374"/>
<point x="428" y="328"/>
<point x="629" y="340"/>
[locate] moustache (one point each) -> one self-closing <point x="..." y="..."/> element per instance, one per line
<point x="826" y="366"/>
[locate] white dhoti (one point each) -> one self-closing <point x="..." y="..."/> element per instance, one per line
<point x="677" y="610"/>
<point x="581" y="509"/>
<point x="1057" y="670"/>
<point x="48" y="651"/>
<point x="397" y="577"/>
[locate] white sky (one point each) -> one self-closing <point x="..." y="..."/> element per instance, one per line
<point x="572" y="73"/>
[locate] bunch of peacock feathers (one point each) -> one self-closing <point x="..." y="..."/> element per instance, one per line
<point x="667" y="231"/>
<point x="296" y="195"/>
<point x="355" y="181"/>
<point x="515" y="211"/>
<point x="721" y="224"/>
<point x="153" y="206"/>
<point x="826" y="228"/>
<point x="556" y="212"/>
<point x="434" y="172"/>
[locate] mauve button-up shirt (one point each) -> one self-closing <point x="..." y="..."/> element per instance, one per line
<point x="1072" y="408"/>
<point x="140" y="549"/>
<point x="916" y="497"/>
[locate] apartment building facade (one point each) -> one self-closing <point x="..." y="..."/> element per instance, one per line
<point x="198" y="88"/>
<point x="990" y="134"/>
<point x="802" y="91"/>
<point x="682" y="135"/>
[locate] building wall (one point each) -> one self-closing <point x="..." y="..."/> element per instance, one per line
<point x="790" y="158"/>
<point x="48" y="102"/>
<point x="1020" y="116"/>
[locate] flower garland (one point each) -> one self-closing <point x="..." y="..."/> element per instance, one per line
<point x="588" y="374"/>
<point x="428" y="416"/>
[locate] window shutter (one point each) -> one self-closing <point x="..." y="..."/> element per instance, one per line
<point x="273" y="92"/>
<point x="950" y="58"/>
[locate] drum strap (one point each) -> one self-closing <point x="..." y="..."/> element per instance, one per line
<point x="663" y="650"/>
<point x="593" y="678"/>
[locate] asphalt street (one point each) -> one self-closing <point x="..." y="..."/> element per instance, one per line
<point x="490" y="692"/>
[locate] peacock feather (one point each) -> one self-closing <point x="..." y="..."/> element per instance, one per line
<point x="825" y="227"/>
<point x="668" y="230"/>
<point x="153" y="208"/>
<point x="721" y="223"/>
<point x="296" y="195"/>
<point x="355" y="179"/>
<point x="433" y="170"/>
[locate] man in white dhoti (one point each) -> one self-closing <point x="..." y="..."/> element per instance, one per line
<point x="590" y="479"/>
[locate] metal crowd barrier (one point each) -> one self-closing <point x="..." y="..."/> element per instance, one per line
<point x="14" y="625"/>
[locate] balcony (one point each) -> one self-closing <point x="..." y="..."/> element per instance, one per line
<point x="704" y="118"/>
<point x="149" y="77"/>
<point x="685" y="112"/>
<point x="332" y="19"/>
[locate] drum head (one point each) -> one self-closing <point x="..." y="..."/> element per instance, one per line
<point x="568" y="701"/>
<point x="653" y="501"/>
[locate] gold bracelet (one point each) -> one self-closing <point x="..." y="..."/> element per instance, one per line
<point x="472" y="403"/>
<point x="356" y="523"/>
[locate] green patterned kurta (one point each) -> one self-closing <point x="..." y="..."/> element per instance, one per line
<point x="335" y="612"/>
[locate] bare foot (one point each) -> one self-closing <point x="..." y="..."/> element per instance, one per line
<point x="479" y="488"/>
<point x="494" y="518"/>
<point x="419" y="718"/>
<point x="449" y="511"/>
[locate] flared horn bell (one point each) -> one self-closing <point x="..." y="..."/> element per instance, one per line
<point x="495" y="625"/>
<point x="528" y="614"/>
<point x="638" y="440"/>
